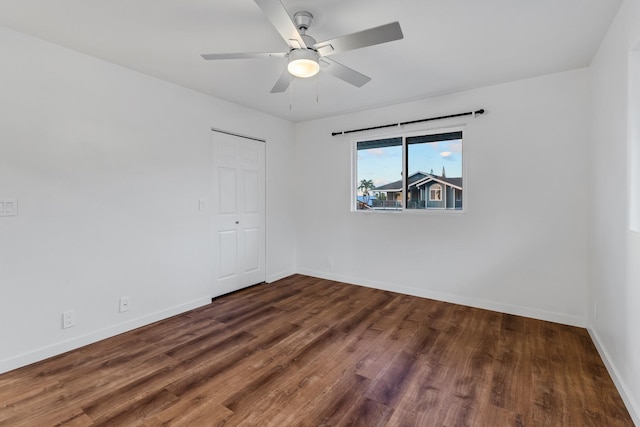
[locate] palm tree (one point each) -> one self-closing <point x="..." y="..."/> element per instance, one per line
<point x="365" y="186"/>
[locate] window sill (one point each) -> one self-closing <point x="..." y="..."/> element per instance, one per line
<point x="410" y="211"/>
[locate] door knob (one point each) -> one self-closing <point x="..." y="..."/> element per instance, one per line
<point x="237" y="222"/>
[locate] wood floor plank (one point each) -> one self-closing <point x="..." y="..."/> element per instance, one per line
<point x="84" y="389"/>
<point x="367" y="413"/>
<point x="295" y="366"/>
<point x="192" y="414"/>
<point x="305" y="351"/>
<point x="320" y="389"/>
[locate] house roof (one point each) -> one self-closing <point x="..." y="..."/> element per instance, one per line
<point x="452" y="182"/>
<point x="397" y="185"/>
<point x="419" y="178"/>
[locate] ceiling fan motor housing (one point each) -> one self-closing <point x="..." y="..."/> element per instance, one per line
<point x="303" y="20"/>
<point x="305" y="55"/>
<point x="304" y="62"/>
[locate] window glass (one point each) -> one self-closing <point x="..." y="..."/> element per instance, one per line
<point x="434" y="167"/>
<point x="435" y="193"/>
<point x="432" y="164"/>
<point x="379" y="174"/>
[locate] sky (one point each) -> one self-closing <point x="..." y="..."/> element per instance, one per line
<point x="384" y="165"/>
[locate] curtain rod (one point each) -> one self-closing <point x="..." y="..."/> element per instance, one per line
<point x="469" y="113"/>
<point x="237" y="134"/>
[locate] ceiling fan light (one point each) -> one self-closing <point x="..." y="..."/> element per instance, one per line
<point x="303" y="63"/>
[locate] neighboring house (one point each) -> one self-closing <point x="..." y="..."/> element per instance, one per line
<point x="425" y="191"/>
<point x="366" y="202"/>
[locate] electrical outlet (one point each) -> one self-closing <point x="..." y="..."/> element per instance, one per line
<point x="330" y="262"/>
<point x="68" y="319"/>
<point x="124" y="304"/>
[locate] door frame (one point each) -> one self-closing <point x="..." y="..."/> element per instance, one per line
<point x="214" y="214"/>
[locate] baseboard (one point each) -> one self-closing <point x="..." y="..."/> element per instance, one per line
<point x="279" y="276"/>
<point x="455" y="299"/>
<point x="632" y="406"/>
<point x="62" y="347"/>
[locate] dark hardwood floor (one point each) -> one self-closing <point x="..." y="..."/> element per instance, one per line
<point x="311" y="352"/>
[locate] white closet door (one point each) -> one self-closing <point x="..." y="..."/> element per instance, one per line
<point x="239" y="212"/>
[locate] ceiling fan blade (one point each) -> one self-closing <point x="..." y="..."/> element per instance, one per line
<point x="281" y="20"/>
<point x="344" y="73"/>
<point x="210" y="56"/>
<point x="283" y="82"/>
<point x="372" y="36"/>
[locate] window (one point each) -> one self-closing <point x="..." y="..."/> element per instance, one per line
<point x="435" y="193"/>
<point x="409" y="172"/>
<point x="379" y="174"/>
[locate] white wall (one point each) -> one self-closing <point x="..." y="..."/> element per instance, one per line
<point x="521" y="246"/>
<point x="614" y="314"/>
<point x="108" y="166"/>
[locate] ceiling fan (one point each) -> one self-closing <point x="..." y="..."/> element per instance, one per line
<point x="305" y="55"/>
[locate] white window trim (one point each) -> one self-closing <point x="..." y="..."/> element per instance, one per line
<point x="633" y="141"/>
<point x="431" y="198"/>
<point x="459" y="127"/>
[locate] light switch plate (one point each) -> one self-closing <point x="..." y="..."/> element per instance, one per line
<point x="9" y="207"/>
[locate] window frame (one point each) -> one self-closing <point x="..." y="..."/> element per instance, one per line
<point x="432" y="188"/>
<point x="633" y="141"/>
<point x="403" y="210"/>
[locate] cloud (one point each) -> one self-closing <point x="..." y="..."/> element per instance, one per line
<point x="372" y="152"/>
<point x="450" y="149"/>
<point x="378" y="152"/>
<point x="455" y="146"/>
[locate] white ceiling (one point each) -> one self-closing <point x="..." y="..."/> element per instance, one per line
<point x="448" y="45"/>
